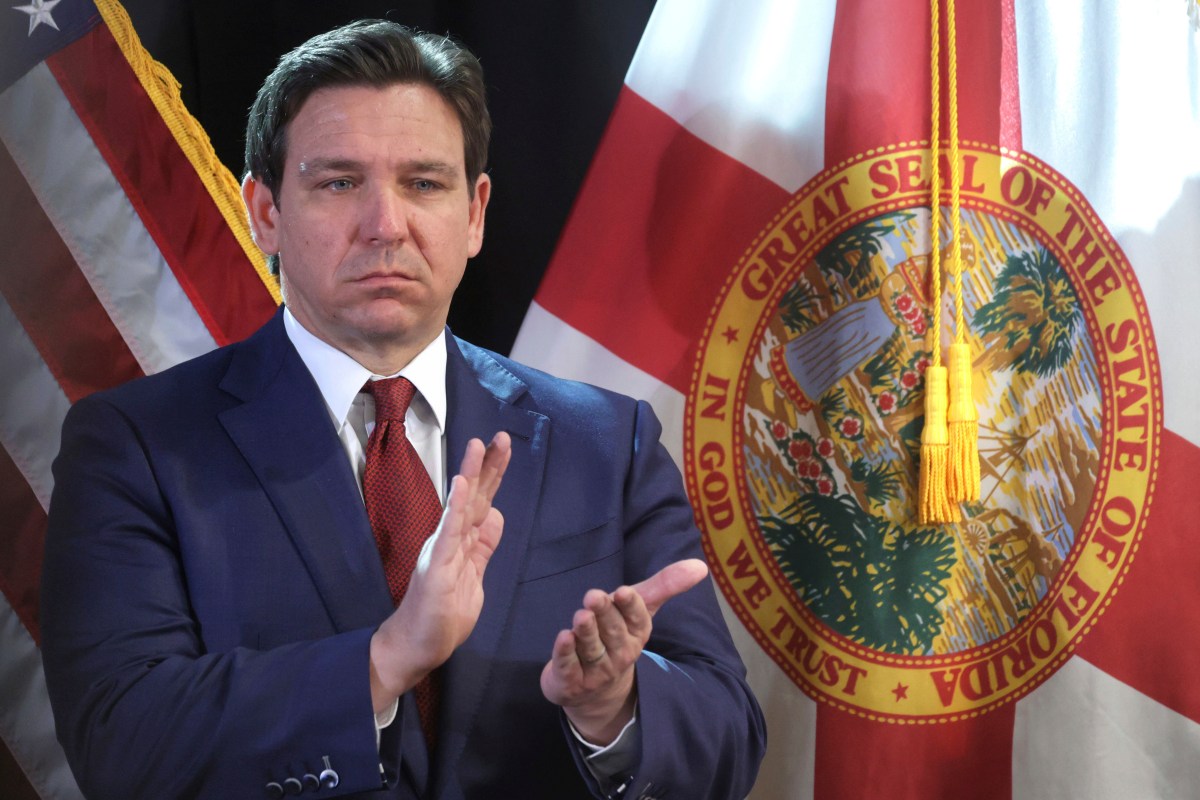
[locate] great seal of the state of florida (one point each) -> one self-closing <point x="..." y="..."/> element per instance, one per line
<point x="803" y="425"/>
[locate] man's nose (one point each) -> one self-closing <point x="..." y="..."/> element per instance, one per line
<point x="384" y="217"/>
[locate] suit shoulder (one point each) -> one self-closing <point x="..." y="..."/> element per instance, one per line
<point x="189" y="387"/>
<point x="183" y="379"/>
<point x="196" y="382"/>
<point x="551" y="394"/>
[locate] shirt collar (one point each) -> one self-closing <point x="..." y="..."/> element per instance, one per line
<point x="340" y="378"/>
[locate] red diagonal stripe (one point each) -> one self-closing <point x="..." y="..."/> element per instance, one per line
<point x="21" y="545"/>
<point x="661" y="221"/>
<point x="172" y="201"/>
<point x="862" y="760"/>
<point x="51" y="297"/>
<point x="879" y="82"/>
<point x="1147" y="637"/>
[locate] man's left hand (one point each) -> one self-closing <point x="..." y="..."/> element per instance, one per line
<point x="591" y="670"/>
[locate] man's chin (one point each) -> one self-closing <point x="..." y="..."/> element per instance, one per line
<point x="397" y="327"/>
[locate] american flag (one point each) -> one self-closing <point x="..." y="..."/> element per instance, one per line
<point x="126" y="251"/>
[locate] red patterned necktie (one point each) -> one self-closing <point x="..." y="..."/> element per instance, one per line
<point x="403" y="507"/>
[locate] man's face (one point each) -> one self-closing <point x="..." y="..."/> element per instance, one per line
<point x="375" y="220"/>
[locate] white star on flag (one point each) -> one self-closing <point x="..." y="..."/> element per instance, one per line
<point x="39" y="12"/>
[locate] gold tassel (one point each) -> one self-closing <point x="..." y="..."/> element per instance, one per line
<point x="934" y="504"/>
<point x="163" y="90"/>
<point x="963" y="477"/>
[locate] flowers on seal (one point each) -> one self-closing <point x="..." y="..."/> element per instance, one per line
<point x="806" y="457"/>
<point x="800" y="449"/>
<point x="910" y="311"/>
<point x="886" y="403"/>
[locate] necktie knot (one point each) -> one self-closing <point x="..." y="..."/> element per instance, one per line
<point x="392" y="397"/>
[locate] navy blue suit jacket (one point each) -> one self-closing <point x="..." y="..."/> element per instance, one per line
<point x="211" y="585"/>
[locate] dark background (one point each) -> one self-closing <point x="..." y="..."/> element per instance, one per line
<point x="553" y="70"/>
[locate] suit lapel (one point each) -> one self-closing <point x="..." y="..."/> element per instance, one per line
<point x="284" y="432"/>
<point x="481" y="396"/>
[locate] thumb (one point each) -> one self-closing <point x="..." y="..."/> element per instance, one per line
<point x="673" y="579"/>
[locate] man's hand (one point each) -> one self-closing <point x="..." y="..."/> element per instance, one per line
<point x="590" y="672"/>
<point x="445" y="594"/>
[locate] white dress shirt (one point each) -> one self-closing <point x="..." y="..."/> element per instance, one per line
<point x="340" y="379"/>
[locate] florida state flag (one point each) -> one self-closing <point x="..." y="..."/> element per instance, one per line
<point x="752" y="253"/>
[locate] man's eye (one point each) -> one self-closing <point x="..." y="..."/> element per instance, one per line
<point x="424" y="185"/>
<point x="340" y="184"/>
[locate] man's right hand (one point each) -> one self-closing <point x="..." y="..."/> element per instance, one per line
<point x="445" y="595"/>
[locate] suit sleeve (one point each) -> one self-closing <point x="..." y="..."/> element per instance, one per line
<point x="702" y="731"/>
<point x="142" y="709"/>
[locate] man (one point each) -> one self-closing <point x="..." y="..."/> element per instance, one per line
<point x="230" y="608"/>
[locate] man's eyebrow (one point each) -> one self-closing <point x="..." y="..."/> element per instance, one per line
<point x="326" y="165"/>
<point x="431" y="166"/>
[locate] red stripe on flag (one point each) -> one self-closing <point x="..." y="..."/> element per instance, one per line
<point x="12" y="778"/>
<point x="1147" y="636"/>
<point x="84" y="351"/>
<point x="173" y="202"/>
<point x="864" y="760"/>
<point x="21" y="545"/>
<point x="879" y="84"/>
<point x="661" y="221"/>
<point x="1010" y="83"/>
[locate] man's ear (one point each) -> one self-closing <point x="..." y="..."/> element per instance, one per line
<point x="264" y="215"/>
<point x="483" y="191"/>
